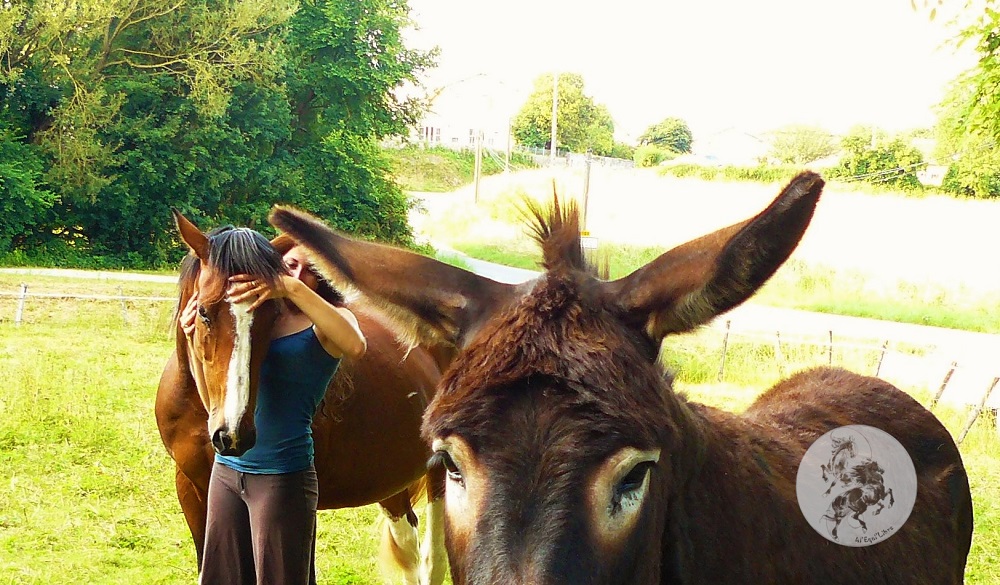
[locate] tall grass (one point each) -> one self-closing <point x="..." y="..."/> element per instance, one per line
<point x="88" y="490"/>
<point x="797" y="285"/>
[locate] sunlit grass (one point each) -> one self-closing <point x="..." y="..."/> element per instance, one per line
<point x="88" y="490"/>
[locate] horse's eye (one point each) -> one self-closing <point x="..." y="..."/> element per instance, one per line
<point x="631" y="485"/>
<point x="454" y="473"/>
<point x="203" y="313"/>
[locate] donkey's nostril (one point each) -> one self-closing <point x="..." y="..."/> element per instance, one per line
<point x="222" y="441"/>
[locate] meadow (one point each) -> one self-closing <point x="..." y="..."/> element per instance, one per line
<point x="88" y="490"/>
<point x="88" y="493"/>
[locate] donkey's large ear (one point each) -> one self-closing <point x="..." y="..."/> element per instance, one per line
<point x="431" y="300"/>
<point x="703" y="278"/>
<point x="192" y="236"/>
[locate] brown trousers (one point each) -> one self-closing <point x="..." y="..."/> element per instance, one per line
<point x="261" y="528"/>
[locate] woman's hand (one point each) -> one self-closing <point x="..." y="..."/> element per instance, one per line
<point x="189" y="314"/>
<point x="244" y="287"/>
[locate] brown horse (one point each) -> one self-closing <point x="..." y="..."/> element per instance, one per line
<point x="366" y="430"/>
<point x="571" y="460"/>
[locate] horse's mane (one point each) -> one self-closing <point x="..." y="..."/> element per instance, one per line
<point x="557" y="232"/>
<point x="232" y="251"/>
<point x="866" y="471"/>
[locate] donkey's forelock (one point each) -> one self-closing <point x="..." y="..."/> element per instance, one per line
<point x="557" y="231"/>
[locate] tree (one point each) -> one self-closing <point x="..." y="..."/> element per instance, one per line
<point x="800" y="144"/>
<point x="968" y="127"/>
<point x="671" y="133"/>
<point x="871" y="156"/>
<point x="218" y="107"/>
<point x="581" y="124"/>
<point x="972" y="157"/>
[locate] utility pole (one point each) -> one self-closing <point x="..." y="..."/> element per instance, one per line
<point x="555" y="112"/>
<point x="479" y="163"/>
<point x="506" y="161"/>
<point x="586" y="191"/>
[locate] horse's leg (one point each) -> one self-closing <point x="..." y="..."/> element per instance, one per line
<point x="892" y="500"/>
<point x="857" y="516"/>
<point x="194" y="504"/>
<point x="823" y="469"/>
<point x="399" y="543"/>
<point x="433" y="557"/>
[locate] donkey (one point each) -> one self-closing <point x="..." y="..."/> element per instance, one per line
<point x="569" y="457"/>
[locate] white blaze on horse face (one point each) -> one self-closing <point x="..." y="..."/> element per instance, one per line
<point x="238" y="377"/>
<point x="465" y="487"/>
<point x="617" y="491"/>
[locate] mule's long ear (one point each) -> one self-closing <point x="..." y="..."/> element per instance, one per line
<point x="192" y="236"/>
<point x="434" y="301"/>
<point x="696" y="281"/>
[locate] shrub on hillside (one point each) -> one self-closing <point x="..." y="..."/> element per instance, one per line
<point x="650" y="155"/>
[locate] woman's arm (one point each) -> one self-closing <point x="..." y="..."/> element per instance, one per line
<point x="336" y="327"/>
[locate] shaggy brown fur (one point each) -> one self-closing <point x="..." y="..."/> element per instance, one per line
<point x="555" y="376"/>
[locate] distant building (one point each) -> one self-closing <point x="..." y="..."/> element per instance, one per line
<point x="460" y="109"/>
<point x="731" y="147"/>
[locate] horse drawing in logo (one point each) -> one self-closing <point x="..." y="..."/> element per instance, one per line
<point x="837" y="468"/>
<point x="869" y="491"/>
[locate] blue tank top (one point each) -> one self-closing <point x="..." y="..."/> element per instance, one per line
<point x="293" y="380"/>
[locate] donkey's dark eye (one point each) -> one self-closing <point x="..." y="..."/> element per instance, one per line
<point x="632" y="482"/>
<point x="454" y="473"/>
<point x="203" y="314"/>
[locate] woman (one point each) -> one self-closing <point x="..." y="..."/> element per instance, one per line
<point x="261" y="526"/>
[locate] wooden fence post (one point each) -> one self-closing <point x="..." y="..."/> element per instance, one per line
<point x="944" y="383"/>
<point x="975" y="413"/>
<point x="20" y="304"/>
<point x="121" y="294"/>
<point x="725" y="348"/>
<point x="881" y="358"/>
<point x="778" y="354"/>
<point x="831" y="348"/>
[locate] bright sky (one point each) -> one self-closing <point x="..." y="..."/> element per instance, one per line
<point x="755" y="65"/>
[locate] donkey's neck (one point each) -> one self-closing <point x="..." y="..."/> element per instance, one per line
<point x="737" y="502"/>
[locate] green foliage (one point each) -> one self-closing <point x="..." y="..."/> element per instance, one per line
<point x="798" y="144"/>
<point x="671" y="133"/>
<point x="219" y="109"/>
<point x="439" y="169"/>
<point x="622" y="150"/>
<point x="650" y="155"/>
<point x="581" y="124"/>
<point x="872" y="157"/>
<point x="23" y="200"/>
<point x="974" y="169"/>
<point x="760" y="174"/>
<point x="977" y="100"/>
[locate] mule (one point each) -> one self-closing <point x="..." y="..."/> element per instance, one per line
<point x="366" y="430"/>
<point x="570" y="459"/>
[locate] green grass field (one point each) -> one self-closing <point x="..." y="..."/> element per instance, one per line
<point x="87" y="490"/>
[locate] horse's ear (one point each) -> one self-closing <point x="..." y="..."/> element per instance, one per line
<point x="192" y="236"/>
<point x="430" y="300"/>
<point x="696" y="281"/>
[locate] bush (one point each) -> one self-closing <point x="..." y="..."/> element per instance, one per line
<point x="760" y="174"/>
<point x="651" y="155"/>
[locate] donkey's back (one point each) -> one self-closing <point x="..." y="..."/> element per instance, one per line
<point x="931" y="544"/>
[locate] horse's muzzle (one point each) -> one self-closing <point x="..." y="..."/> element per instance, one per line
<point x="225" y="443"/>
